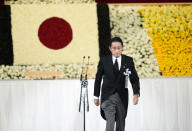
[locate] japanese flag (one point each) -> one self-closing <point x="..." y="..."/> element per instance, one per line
<point x="58" y="34"/>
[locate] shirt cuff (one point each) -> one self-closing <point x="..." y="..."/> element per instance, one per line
<point x="95" y="97"/>
<point x="137" y="95"/>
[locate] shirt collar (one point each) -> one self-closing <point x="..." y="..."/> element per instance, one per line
<point x="117" y="57"/>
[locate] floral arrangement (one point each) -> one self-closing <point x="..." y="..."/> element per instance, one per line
<point x="68" y="71"/>
<point x="158" y="38"/>
<point x="126" y="23"/>
<point x="38" y="59"/>
<point x="47" y="1"/>
<point x="170" y="27"/>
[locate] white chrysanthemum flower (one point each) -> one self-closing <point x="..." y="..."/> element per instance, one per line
<point x="126" y="23"/>
<point x="48" y="1"/>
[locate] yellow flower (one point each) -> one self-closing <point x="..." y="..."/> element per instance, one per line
<point x="170" y="26"/>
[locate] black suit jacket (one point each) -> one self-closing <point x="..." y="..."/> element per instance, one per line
<point x="112" y="82"/>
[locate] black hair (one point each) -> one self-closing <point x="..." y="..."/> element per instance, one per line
<point x="116" y="39"/>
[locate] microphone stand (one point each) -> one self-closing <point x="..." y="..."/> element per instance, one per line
<point x="84" y="89"/>
<point x="87" y="86"/>
<point x="81" y="77"/>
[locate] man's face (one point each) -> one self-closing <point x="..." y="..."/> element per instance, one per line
<point x="116" y="49"/>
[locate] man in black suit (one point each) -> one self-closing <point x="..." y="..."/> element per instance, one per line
<point x="114" y="93"/>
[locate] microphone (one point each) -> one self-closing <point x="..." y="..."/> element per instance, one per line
<point x="81" y="77"/>
<point x="87" y="67"/>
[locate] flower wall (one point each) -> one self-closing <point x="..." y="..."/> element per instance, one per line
<point x="126" y="22"/>
<point x="170" y="27"/>
<point x="158" y="37"/>
<point x="47" y="1"/>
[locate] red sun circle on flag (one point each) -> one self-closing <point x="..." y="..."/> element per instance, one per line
<point x="55" y="33"/>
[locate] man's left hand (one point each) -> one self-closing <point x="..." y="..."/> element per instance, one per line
<point x="135" y="99"/>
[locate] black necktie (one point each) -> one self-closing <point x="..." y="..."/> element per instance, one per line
<point x="116" y="65"/>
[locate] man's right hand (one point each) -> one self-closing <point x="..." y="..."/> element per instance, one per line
<point x="96" y="101"/>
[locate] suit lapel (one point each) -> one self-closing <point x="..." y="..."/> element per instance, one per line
<point x="122" y="63"/>
<point x="111" y="65"/>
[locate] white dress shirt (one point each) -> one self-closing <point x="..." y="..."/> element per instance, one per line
<point x="119" y="65"/>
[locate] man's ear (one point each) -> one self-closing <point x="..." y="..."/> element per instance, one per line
<point x="122" y="48"/>
<point x="110" y="48"/>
